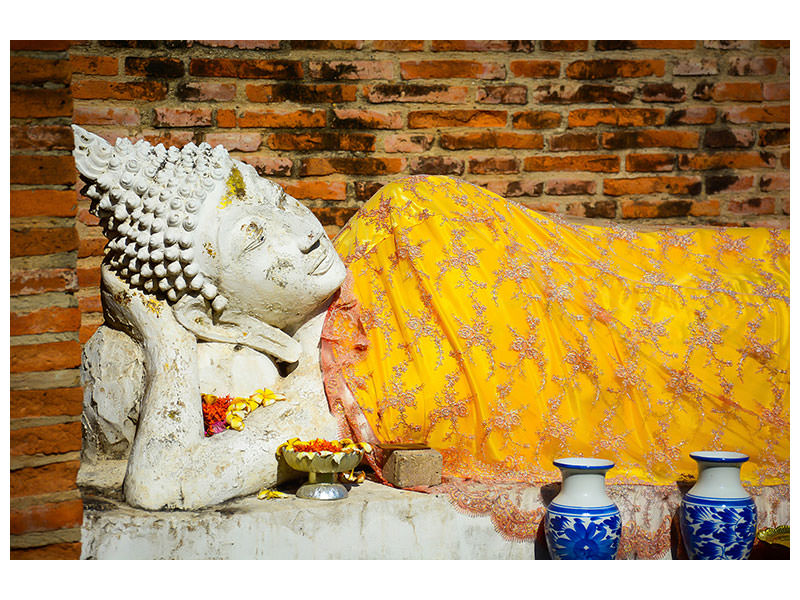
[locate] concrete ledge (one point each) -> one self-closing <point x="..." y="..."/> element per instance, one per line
<point x="373" y="522"/>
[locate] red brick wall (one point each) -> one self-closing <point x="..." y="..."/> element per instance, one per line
<point x="652" y="131"/>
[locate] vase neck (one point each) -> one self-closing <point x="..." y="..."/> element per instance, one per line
<point x="583" y="488"/>
<point x="715" y="480"/>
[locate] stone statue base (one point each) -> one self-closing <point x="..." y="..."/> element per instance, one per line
<point x="373" y="522"/>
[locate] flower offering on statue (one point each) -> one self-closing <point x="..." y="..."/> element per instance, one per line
<point x="224" y="412"/>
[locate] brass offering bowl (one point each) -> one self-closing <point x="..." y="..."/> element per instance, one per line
<point x="323" y="466"/>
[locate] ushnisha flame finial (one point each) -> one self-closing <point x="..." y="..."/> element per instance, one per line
<point x="147" y="199"/>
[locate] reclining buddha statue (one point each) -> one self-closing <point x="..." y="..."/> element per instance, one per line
<point x="442" y="314"/>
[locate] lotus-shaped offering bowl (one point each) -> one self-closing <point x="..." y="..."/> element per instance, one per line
<point x="323" y="460"/>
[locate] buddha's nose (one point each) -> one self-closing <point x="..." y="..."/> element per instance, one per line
<point x="310" y="241"/>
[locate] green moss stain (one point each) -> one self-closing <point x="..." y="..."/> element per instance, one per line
<point x="236" y="189"/>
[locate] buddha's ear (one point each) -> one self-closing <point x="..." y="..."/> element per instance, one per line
<point x="234" y="327"/>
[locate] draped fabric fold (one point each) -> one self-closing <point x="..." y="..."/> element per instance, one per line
<point x="505" y="338"/>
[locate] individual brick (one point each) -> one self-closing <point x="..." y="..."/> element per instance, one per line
<point x="45" y="357"/>
<point x="90" y="114"/>
<point x="435" y="165"/>
<point x="482" y="45"/>
<point x="773" y="137"/>
<point x="326" y="44"/>
<point x="776" y="90"/>
<point x="650" y="162"/>
<point x="644" y="45"/>
<point x="44" y="320"/>
<point x="574" y="141"/>
<point x="414" y="92"/>
<point x="502" y="94"/>
<point x="246" y="142"/>
<point x="205" y="91"/>
<point x="514" y="188"/>
<point x="691" y="67"/>
<point x="94" y="65"/>
<point x="316" y="190"/>
<point x="599" y="209"/>
<point x="420" y="119"/>
<point x="535" y="69"/>
<point x="662" y="92"/>
<point x="688" y="186"/>
<point x="536" y="119"/>
<point x="587" y="93"/>
<point x="777" y="182"/>
<point x="46" y="479"/>
<point x="39" y="281"/>
<point x="40" y="103"/>
<point x="494" y="164"/>
<point x="37" y="169"/>
<point x="650" y="138"/>
<point x="166" y="116"/>
<point x="398" y="45"/>
<point x="44" y="240"/>
<point x="25" y="70"/>
<point x="643" y="208"/>
<point x="693" y="115"/>
<point x="729" y="138"/>
<point x="490" y="139"/>
<point x="47" y="439"/>
<point x="726" y="160"/>
<point x="246" y="68"/>
<point x="412" y="468"/>
<point x="408" y="142"/>
<point x="614" y="69"/>
<point x="283" y="118"/>
<point x="752" y="65"/>
<point x="351" y="166"/>
<point x="321" y="93"/>
<point x="326" y="140"/>
<point x="242" y="44"/>
<point x="716" y="184"/>
<point x="47" y="517"/>
<point x="564" y="45"/>
<point x="96" y="89"/>
<point x="595" y="163"/>
<point x="752" y="206"/>
<point x="570" y="187"/>
<point x="154" y="66"/>
<point x="43" y="202"/>
<point x="335" y="70"/>
<point x="356" y="118"/>
<point x="619" y="117"/>
<point x="451" y="69"/>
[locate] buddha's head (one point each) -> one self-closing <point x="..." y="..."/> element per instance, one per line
<point x="234" y="255"/>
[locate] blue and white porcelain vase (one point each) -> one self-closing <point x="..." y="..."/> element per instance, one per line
<point x="718" y="516"/>
<point x="582" y="523"/>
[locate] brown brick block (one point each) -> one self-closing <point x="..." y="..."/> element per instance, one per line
<point x="43" y="203"/>
<point x="564" y="45"/>
<point x="613" y="69"/>
<point x="599" y="163"/>
<point x="246" y="69"/>
<point x="41" y="103"/>
<point x="46" y="403"/>
<point x="456" y="118"/>
<point x="650" y="138"/>
<point x="650" y="162"/>
<point x="536" y="119"/>
<point x="752" y="65"/>
<point x="694" y="115"/>
<point x="47" y="517"/>
<point x="316" y="190"/>
<point x="52" y="319"/>
<point x="41" y="45"/>
<point x="729" y="138"/>
<point x="490" y="139"/>
<point x="601" y="209"/>
<point x="36" y="71"/>
<point x="737" y="91"/>
<point x="574" y="141"/>
<point x="662" y="92"/>
<point x="321" y="93"/>
<point x="333" y="215"/>
<point x="435" y="165"/>
<point x="62" y="551"/>
<point x="165" y="116"/>
<point x="158" y="67"/>
<point x="226" y="117"/>
<point x="482" y="46"/>
<point x="31" y="169"/>
<point x="778" y="182"/>
<point x="205" y="91"/>
<point x="502" y="94"/>
<point x="89" y="276"/>
<point x="242" y="44"/>
<point x="246" y="142"/>
<point x="351" y="166"/>
<point x="326" y="44"/>
<point x="364" y="190"/>
<point x="33" y="242"/>
<point x="514" y="188"/>
<point x="328" y="140"/>
<point x="32" y="481"/>
<point x="726" y="160"/>
<point x="95" y="89"/>
<point x="494" y="164"/>
<point x="94" y="65"/>
<point x="752" y="206"/>
<point x="570" y="187"/>
<point x="282" y="118"/>
<point x="643" y="208"/>
<point x="45" y="357"/>
<point x="587" y="93"/>
<point x="451" y="69"/>
<point x="414" y="92"/>
<point x="91" y="246"/>
<point x="690" y="186"/>
<point x="408" y="142"/>
<point x="48" y="439"/>
<point x="85" y="114"/>
<point x="757" y="114"/>
<point x="705" y="208"/>
<point x="535" y="69"/>
<point x="620" y="117"/>
<point x="728" y="183"/>
<point x="87" y="329"/>
<point x="356" y="118"/>
<point x="269" y="165"/>
<point x="38" y="281"/>
<point x="335" y="70"/>
<point x="776" y="91"/>
<point x="398" y="45"/>
<point x="41" y="137"/>
<point x="411" y="468"/>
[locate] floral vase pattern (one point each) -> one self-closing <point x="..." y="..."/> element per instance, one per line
<point x="582" y="523"/>
<point x="718" y="517"/>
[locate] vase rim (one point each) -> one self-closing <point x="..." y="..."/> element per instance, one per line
<point x="583" y="464"/>
<point x="719" y="456"/>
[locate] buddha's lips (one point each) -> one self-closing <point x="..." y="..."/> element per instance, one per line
<point x="325" y="262"/>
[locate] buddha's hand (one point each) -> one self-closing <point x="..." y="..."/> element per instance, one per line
<point x="143" y="316"/>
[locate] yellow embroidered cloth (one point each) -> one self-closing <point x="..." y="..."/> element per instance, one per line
<point x="505" y="338"/>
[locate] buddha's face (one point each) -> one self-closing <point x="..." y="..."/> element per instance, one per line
<point x="267" y="253"/>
